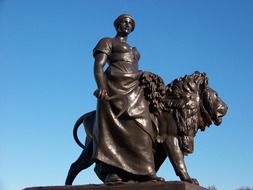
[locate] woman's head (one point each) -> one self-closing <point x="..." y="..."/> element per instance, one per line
<point x="124" y="23"/>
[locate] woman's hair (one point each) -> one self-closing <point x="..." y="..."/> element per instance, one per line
<point x="117" y="21"/>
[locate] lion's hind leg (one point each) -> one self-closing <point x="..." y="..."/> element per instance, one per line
<point x="83" y="162"/>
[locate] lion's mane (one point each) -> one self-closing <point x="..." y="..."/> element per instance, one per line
<point x="182" y="97"/>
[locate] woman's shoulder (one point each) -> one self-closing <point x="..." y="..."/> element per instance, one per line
<point x="103" y="46"/>
<point x="106" y="41"/>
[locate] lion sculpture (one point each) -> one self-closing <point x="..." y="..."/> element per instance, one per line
<point x="179" y="110"/>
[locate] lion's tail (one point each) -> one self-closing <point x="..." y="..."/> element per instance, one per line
<point x="75" y="129"/>
<point x="87" y="120"/>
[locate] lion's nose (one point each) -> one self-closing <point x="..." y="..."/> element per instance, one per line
<point x="222" y="109"/>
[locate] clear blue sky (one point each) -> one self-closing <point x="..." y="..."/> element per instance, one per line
<point x="46" y="81"/>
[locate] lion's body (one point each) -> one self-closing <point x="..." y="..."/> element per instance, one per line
<point x="182" y="108"/>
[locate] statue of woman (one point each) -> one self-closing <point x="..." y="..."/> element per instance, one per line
<point x="123" y="135"/>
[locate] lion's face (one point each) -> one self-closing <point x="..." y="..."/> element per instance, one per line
<point x="214" y="105"/>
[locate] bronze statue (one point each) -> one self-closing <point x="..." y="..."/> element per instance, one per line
<point x="183" y="107"/>
<point x="139" y="121"/>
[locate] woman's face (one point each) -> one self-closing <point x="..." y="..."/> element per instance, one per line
<point x="125" y="26"/>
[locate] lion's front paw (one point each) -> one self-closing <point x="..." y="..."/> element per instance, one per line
<point x="192" y="180"/>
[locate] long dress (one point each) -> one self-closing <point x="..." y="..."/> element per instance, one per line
<point x="124" y="141"/>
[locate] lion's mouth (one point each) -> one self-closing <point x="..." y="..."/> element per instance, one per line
<point x="218" y="121"/>
<point x="222" y="110"/>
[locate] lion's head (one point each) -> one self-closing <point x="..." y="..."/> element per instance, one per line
<point x="194" y="105"/>
<point x="213" y="106"/>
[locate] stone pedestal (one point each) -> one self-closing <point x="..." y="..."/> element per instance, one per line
<point x="171" y="185"/>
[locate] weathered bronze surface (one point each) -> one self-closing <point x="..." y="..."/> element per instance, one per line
<point x="139" y="121"/>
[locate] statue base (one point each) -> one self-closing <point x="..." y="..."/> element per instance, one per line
<point x="170" y="185"/>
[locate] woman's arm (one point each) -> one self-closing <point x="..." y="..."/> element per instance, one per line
<point x="100" y="61"/>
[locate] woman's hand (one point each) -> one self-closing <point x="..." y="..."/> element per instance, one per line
<point x="101" y="94"/>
